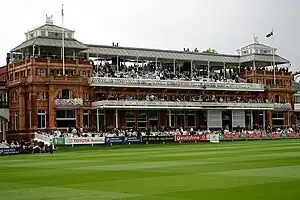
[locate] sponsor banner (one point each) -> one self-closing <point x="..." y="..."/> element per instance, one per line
<point x="133" y="139"/>
<point x="293" y="135"/>
<point x="214" y="138"/>
<point x="42" y="138"/>
<point x="9" y="151"/>
<point x="191" y="138"/>
<point x="115" y="140"/>
<point x="84" y="140"/>
<point x="158" y="139"/>
<point x="254" y="136"/>
<point x="232" y="136"/>
<point x="59" y="141"/>
<point x="274" y="135"/>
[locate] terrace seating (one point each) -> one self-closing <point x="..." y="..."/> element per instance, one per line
<point x="166" y="72"/>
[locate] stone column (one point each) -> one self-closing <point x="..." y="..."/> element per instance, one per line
<point x="286" y="118"/>
<point x="51" y="108"/>
<point x="21" y="114"/>
<point x="79" y="118"/>
<point x="33" y="99"/>
<point x="269" y="118"/>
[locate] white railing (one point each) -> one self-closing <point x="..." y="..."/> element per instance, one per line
<point x="69" y="102"/>
<point x="181" y="105"/>
<point x="178" y="84"/>
<point x="282" y="106"/>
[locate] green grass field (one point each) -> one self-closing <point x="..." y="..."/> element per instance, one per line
<point x="256" y="170"/>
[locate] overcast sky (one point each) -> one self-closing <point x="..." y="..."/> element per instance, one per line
<point x="224" y="25"/>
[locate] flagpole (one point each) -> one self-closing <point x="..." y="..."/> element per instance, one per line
<point x="274" y="57"/>
<point x="63" y="38"/>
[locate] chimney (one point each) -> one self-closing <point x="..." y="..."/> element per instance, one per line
<point x="183" y="49"/>
<point x="117" y="44"/>
<point x="113" y="44"/>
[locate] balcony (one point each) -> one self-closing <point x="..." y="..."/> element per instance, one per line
<point x="112" y="104"/>
<point x="66" y="103"/>
<point x="78" y="80"/>
<point x="175" y="84"/>
<point x="282" y="106"/>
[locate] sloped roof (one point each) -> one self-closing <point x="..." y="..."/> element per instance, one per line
<point x="158" y="53"/>
<point x="51" y="27"/>
<point x="263" y="58"/>
<point x="50" y="42"/>
<point x="257" y="45"/>
<point x="296" y="86"/>
<point x="179" y="55"/>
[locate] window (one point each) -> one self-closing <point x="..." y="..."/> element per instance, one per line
<point x="86" y="118"/>
<point x="180" y="117"/>
<point x="277" y="99"/>
<point x="191" y="119"/>
<point x="142" y="119"/>
<point x="278" y="119"/>
<point x="16" y="121"/>
<point x="65" y="94"/>
<point x="277" y="115"/>
<point x="62" y="114"/>
<point x="130" y="119"/>
<point x="83" y="73"/>
<point x="153" y="118"/>
<point x="15" y="96"/>
<point x="42" y="95"/>
<point x="41" y="72"/>
<point x="86" y="96"/>
<point x="41" y="119"/>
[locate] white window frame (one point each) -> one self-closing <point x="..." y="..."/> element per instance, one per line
<point x="15" y="120"/>
<point x="42" y="113"/>
<point x="86" y="96"/>
<point x="130" y="119"/>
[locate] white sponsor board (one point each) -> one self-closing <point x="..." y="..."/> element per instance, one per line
<point x="214" y="138"/>
<point x="41" y="138"/>
<point x="84" y="140"/>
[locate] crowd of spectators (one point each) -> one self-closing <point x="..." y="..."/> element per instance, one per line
<point x="277" y="69"/>
<point x="191" y="98"/>
<point x="26" y="147"/>
<point x="12" y="144"/>
<point x="164" y="72"/>
<point x="163" y="130"/>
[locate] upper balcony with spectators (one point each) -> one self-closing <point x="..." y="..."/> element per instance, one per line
<point x="155" y="68"/>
